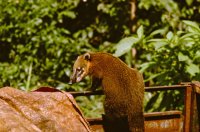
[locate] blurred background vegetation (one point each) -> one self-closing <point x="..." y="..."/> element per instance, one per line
<point x="40" y="40"/>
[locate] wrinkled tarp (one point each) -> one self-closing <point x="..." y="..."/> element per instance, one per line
<point x="39" y="111"/>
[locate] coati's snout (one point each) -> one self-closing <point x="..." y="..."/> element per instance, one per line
<point x="78" y="75"/>
<point x="80" y="68"/>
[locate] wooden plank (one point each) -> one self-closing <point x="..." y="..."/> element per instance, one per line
<point x="169" y="121"/>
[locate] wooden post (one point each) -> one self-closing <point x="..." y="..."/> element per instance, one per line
<point x="188" y="108"/>
<point x="196" y="107"/>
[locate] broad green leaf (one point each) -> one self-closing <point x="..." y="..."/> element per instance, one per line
<point x="188" y="35"/>
<point x="125" y="45"/>
<point x="154" y="76"/>
<point x="157" y="40"/>
<point x="160" y="44"/>
<point x="197" y="55"/>
<point x="159" y="100"/>
<point x="140" y="32"/>
<point x="70" y="14"/>
<point x="194" y="27"/>
<point x="192" y="69"/>
<point x="182" y="57"/>
<point x="159" y="31"/>
<point x="146" y="65"/>
<point x="170" y="35"/>
<point x="189" y="2"/>
<point x="65" y="31"/>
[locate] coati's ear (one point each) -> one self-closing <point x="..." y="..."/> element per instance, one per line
<point x="87" y="56"/>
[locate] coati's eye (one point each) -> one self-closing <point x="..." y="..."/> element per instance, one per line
<point x="79" y="71"/>
<point x="79" y="68"/>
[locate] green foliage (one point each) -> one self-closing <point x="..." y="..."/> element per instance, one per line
<point x="166" y="14"/>
<point x="169" y="60"/>
<point x="39" y="40"/>
<point x="33" y="45"/>
<point x="173" y="58"/>
<point x="91" y="106"/>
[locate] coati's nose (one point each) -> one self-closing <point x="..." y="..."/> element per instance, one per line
<point x="72" y="78"/>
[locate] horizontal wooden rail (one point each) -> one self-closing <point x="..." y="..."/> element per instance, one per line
<point x="147" y="89"/>
<point x="148" y="115"/>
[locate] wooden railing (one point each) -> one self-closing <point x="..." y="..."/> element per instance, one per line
<point x="185" y="118"/>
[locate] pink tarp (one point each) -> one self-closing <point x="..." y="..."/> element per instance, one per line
<point x="40" y="111"/>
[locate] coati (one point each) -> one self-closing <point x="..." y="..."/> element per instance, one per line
<point x="123" y="88"/>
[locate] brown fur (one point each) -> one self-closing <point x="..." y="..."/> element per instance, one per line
<point x="123" y="88"/>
